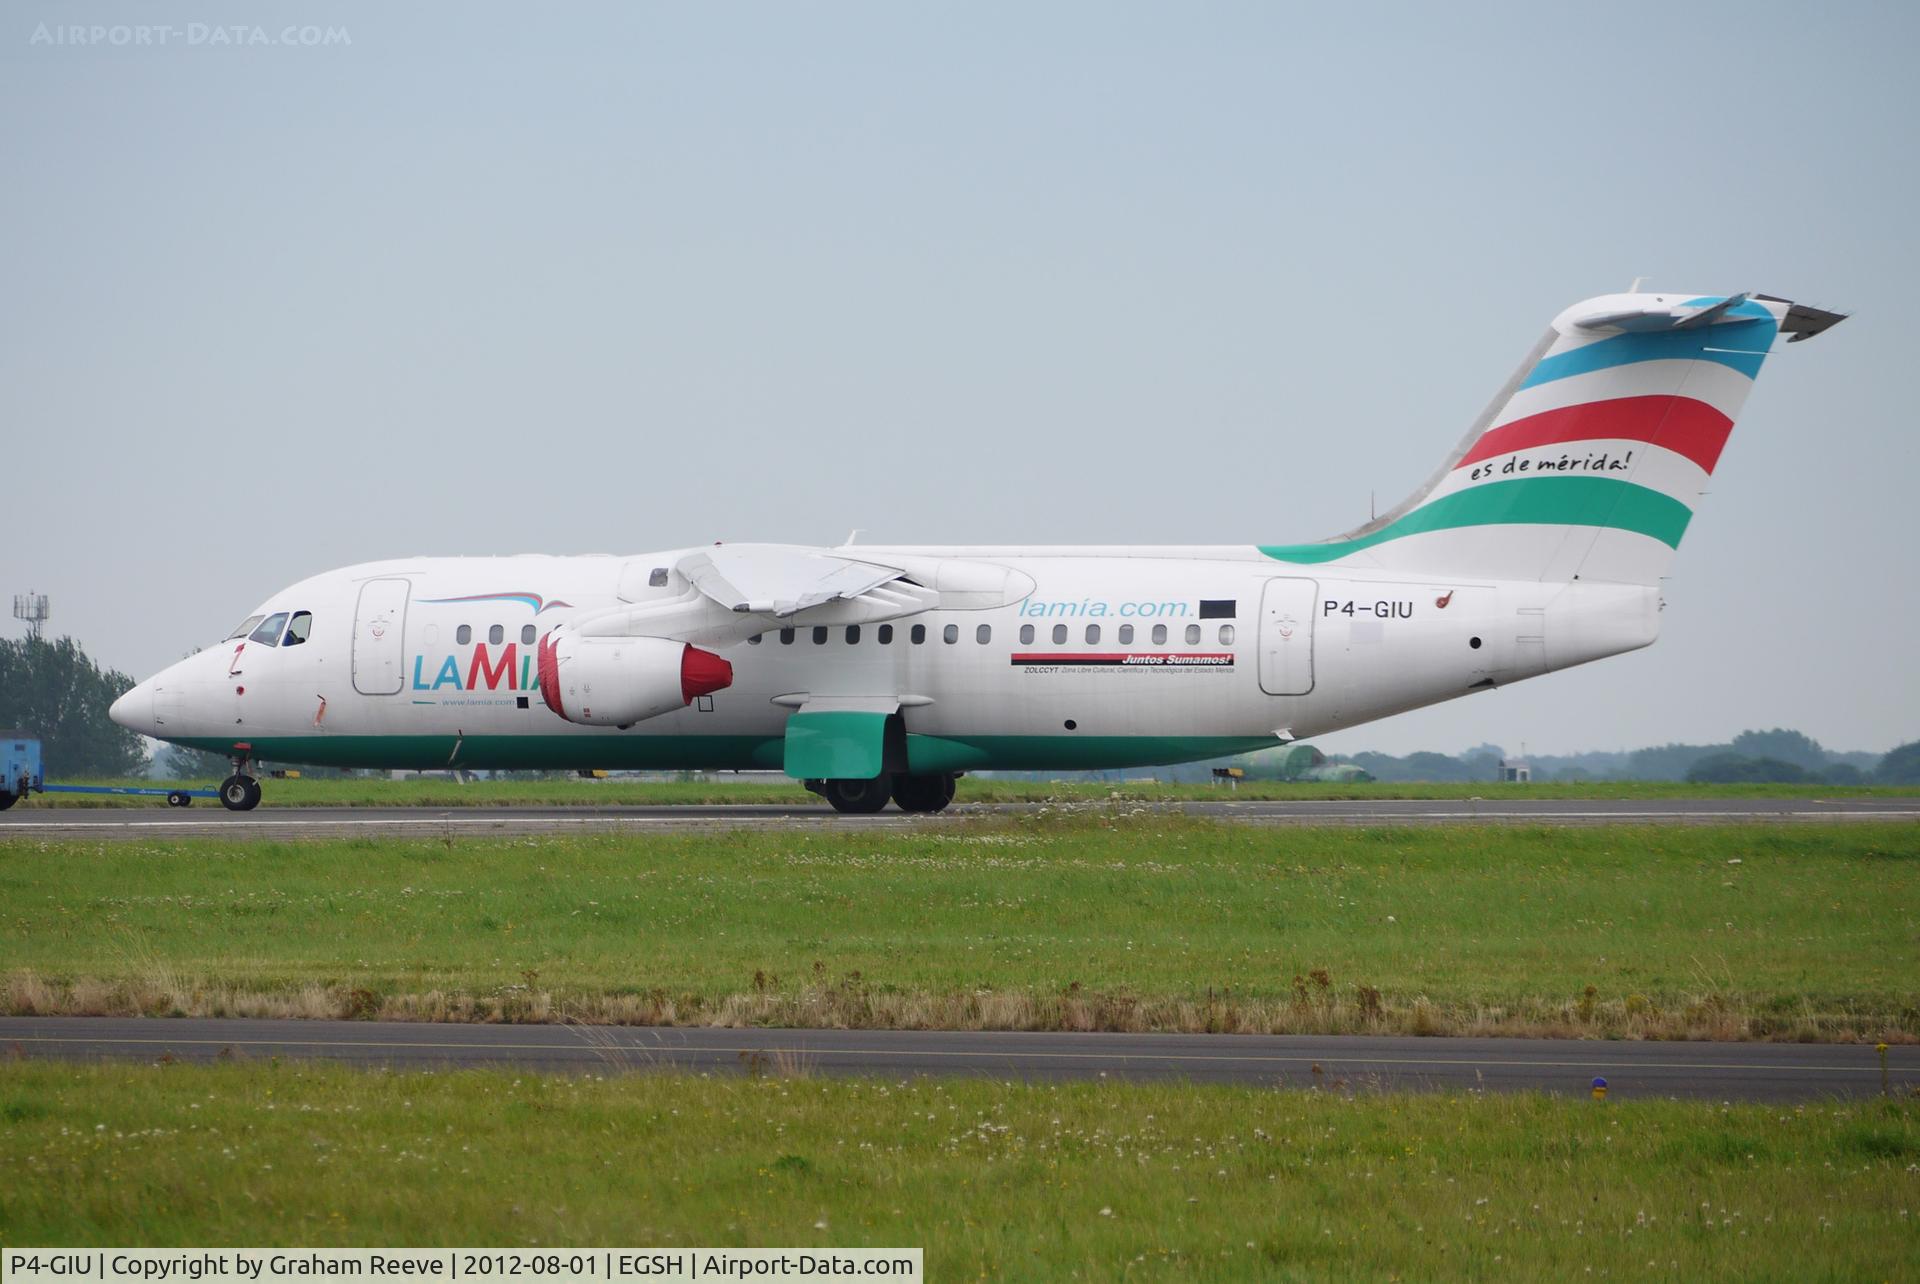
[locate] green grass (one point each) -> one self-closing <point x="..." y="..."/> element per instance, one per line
<point x="1103" y="920"/>
<point x="337" y="792"/>
<point x="994" y="1180"/>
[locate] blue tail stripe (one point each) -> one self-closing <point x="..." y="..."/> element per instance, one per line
<point x="1740" y="345"/>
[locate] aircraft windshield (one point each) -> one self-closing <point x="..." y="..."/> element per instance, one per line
<point x="268" y="634"/>
<point x="246" y="627"/>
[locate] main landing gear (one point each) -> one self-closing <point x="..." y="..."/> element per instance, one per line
<point x="923" y="793"/>
<point x="865" y="797"/>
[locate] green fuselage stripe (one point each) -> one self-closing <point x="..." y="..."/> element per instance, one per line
<point x="632" y="752"/>
<point x="1538" y="501"/>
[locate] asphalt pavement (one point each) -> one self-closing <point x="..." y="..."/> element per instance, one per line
<point x="206" y="818"/>
<point x="1632" y="1069"/>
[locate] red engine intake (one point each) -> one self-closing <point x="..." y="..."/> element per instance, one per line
<point x="616" y="682"/>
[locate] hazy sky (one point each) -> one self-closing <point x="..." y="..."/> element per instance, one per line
<point x="485" y="279"/>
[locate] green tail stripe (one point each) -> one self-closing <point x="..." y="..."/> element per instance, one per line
<point x="1533" y="501"/>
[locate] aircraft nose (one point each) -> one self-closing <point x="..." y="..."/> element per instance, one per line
<point x="134" y="710"/>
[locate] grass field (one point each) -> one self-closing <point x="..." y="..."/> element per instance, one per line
<point x="430" y="792"/>
<point x="994" y="1180"/>
<point x="1105" y="919"/>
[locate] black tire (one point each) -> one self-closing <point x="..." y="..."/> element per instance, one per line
<point x="856" y="797"/>
<point x="179" y="798"/>
<point x="923" y="793"/>
<point x="7" y="800"/>
<point x="239" y="793"/>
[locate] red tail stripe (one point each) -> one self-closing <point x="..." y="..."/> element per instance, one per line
<point x="1680" y="424"/>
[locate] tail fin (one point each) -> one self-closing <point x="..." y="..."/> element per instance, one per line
<point x="1589" y="463"/>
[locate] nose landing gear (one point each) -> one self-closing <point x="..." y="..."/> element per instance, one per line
<point x="240" y="791"/>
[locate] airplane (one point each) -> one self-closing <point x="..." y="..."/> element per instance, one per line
<point x="877" y="673"/>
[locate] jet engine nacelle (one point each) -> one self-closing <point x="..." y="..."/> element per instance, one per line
<point x="616" y="682"/>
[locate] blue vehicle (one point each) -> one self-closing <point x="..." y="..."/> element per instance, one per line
<point x="21" y="774"/>
<point x="20" y="769"/>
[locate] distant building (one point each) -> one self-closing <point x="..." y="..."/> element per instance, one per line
<point x="1515" y="771"/>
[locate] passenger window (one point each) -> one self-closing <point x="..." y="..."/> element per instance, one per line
<point x="1126" y="635"/>
<point x="658" y="577"/>
<point x="786" y="637"/>
<point x="299" y="628"/>
<point x="853" y="635"/>
<point x="819" y="635"/>
<point x="918" y="635"/>
<point x="527" y="634"/>
<point x="983" y="634"/>
<point x="246" y="627"/>
<point x="1193" y="635"/>
<point x="1026" y="635"/>
<point x="1059" y="634"/>
<point x="268" y="634"/>
<point x="463" y="634"/>
<point x="496" y="635"/>
<point x="950" y="634"/>
<point x="1226" y="635"/>
<point x="1159" y="635"/>
<point x="885" y="635"/>
<point x="1093" y="634"/>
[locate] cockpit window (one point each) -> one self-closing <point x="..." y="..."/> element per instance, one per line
<point x="299" y="628"/>
<point x="268" y="634"/>
<point x="246" y="627"/>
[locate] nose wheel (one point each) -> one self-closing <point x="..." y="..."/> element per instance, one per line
<point x="239" y="793"/>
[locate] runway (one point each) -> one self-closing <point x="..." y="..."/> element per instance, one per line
<point x="1715" y="1071"/>
<point x="323" y="822"/>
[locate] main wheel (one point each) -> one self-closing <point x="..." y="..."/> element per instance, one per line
<point x="239" y="793"/>
<point x="856" y="797"/>
<point x="923" y="793"/>
<point x="7" y="800"/>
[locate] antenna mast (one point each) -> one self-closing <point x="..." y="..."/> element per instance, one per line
<point x="31" y="607"/>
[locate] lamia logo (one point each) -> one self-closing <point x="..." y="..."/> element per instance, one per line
<point x="508" y="668"/>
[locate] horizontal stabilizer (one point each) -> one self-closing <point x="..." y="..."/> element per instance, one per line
<point x="1803" y="320"/>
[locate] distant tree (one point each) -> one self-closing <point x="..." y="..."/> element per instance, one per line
<point x="1668" y="762"/>
<point x="1739" y="769"/>
<point x="1435" y="766"/>
<point x="1788" y="746"/>
<point x="1482" y="764"/>
<point x="1900" y="767"/>
<point x="54" y="691"/>
<point x="177" y="762"/>
<point x="1843" y="773"/>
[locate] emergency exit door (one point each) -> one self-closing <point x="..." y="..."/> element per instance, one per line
<point x="1286" y="636"/>
<point x="379" y="626"/>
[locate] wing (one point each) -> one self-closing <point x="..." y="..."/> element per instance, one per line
<point x="782" y="580"/>
<point x="737" y="590"/>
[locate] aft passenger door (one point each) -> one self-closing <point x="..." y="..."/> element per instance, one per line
<point x="379" y="628"/>
<point x="1287" y="609"/>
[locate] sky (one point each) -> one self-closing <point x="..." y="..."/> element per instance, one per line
<point x="370" y="281"/>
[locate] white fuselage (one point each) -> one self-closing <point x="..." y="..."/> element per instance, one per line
<point x="1135" y="656"/>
